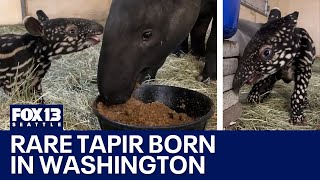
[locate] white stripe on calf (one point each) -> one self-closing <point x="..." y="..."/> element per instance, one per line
<point x="22" y="65"/>
<point x="10" y="74"/>
<point x="4" y="70"/>
<point x="13" y="53"/>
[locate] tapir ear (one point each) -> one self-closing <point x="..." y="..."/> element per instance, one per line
<point x="42" y="17"/>
<point x="294" y="16"/>
<point x="292" y="19"/>
<point x="33" y="26"/>
<point x="274" y="14"/>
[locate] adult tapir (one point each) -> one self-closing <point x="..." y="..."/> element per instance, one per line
<point x="138" y="37"/>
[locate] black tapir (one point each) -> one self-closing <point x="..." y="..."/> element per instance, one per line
<point x="138" y="37"/>
<point x="279" y="50"/>
<point x="25" y="59"/>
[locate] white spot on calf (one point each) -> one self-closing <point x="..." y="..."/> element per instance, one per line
<point x="288" y="56"/>
<point x="269" y="68"/>
<point x="70" y="39"/>
<point x="55" y="45"/>
<point x="58" y="51"/>
<point x="282" y="55"/>
<point x="282" y="63"/>
<point x="70" y="49"/>
<point x="64" y="44"/>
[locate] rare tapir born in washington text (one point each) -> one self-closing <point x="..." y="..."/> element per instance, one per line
<point x="25" y="59"/>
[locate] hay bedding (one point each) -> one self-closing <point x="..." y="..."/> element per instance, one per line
<point x="71" y="82"/>
<point x="273" y="114"/>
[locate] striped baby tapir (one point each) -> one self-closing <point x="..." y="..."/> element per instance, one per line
<point x="25" y="59"/>
<point x="278" y="51"/>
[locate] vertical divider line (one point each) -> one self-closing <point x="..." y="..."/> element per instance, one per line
<point x="219" y="64"/>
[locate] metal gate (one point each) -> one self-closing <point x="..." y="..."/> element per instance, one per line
<point x="260" y="6"/>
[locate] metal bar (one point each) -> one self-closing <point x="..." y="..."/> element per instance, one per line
<point x="266" y="10"/>
<point x="253" y="8"/>
<point x="23" y="9"/>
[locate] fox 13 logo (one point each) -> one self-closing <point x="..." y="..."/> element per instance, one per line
<point x="36" y="117"/>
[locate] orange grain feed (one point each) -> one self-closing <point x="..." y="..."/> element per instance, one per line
<point x="135" y="112"/>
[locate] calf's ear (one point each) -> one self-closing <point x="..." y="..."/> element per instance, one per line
<point x="33" y="26"/>
<point x="291" y="20"/>
<point x="42" y="16"/>
<point x="274" y="14"/>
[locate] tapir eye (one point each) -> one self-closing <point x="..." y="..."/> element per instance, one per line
<point x="266" y="53"/>
<point x="146" y="35"/>
<point x="72" y="30"/>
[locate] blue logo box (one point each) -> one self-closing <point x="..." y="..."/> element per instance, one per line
<point x="36" y="117"/>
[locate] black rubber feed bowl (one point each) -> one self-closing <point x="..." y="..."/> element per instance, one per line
<point x="196" y="105"/>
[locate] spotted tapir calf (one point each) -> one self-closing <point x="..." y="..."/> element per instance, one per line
<point x="25" y="59"/>
<point x="279" y="50"/>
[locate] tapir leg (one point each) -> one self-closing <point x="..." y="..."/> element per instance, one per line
<point x="183" y="48"/>
<point x="199" y="31"/>
<point x="185" y="45"/>
<point x="299" y="96"/>
<point x="210" y="69"/>
<point x="38" y="90"/>
<point x="303" y="73"/>
<point x="198" y="36"/>
<point x="262" y="89"/>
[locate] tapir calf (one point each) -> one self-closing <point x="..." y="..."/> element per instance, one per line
<point x="25" y="59"/>
<point x="279" y="50"/>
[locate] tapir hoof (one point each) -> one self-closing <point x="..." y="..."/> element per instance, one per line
<point x="306" y="104"/>
<point x="298" y="120"/>
<point x="206" y="80"/>
<point x="179" y="54"/>
<point x="198" y="54"/>
<point x="253" y="98"/>
<point x="41" y="101"/>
